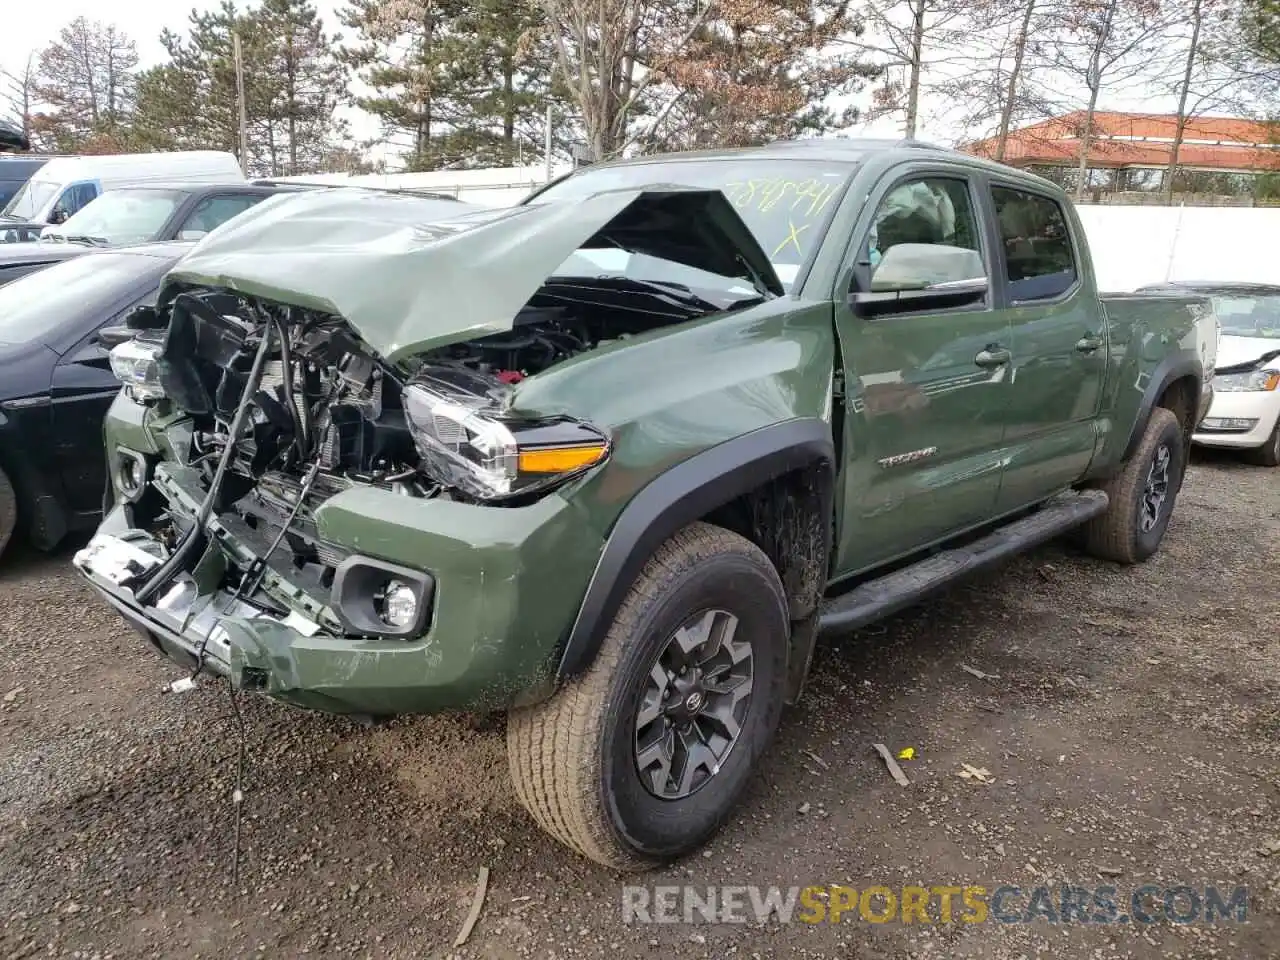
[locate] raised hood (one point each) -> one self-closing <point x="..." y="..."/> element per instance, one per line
<point x="409" y="273"/>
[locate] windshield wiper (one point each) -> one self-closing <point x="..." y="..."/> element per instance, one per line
<point x="81" y="238"/>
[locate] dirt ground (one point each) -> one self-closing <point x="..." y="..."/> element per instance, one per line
<point x="1132" y="735"/>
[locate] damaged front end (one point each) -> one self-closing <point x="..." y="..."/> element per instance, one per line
<point x="285" y="409"/>
<point x="296" y="510"/>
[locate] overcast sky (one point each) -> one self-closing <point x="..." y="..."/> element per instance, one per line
<point x="38" y="23"/>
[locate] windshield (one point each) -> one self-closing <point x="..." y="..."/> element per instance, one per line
<point x="30" y="199"/>
<point x="121" y="217"/>
<point x="36" y="304"/>
<point x="784" y="202"/>
<point x="1254" y="316"/>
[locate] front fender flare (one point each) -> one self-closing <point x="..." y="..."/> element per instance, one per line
<point x="688" y="491"/>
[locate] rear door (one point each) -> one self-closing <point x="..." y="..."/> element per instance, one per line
<point x="925" y="372"/>
<point x="1059" y="343"/>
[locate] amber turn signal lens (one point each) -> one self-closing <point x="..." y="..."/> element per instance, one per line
<point x="1272" y="381"/>
<point x="561" y="459"/>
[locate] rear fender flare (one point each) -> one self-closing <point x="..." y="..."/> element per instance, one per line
<point x="685" y="493"/>
<point x="1182" y="363"/>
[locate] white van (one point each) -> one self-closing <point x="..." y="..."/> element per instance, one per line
<point x="65" y="184"/>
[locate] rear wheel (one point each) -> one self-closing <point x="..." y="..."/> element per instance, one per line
<point x="1142" y="495"/>
<point x="644" y="756"/>
<point x="8" y="511"/>
<point x="1267" y="455"/>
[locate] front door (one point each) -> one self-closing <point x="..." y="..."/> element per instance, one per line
<point x="925" y="351"/>
<point x="1059" y="348"/>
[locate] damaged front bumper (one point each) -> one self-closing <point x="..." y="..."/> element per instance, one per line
<point x="506" y="581"/>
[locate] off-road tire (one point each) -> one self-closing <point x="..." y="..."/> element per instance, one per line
<point x="1117" y="534"/>
<point x="8" y="511"/>
<point x="572" y="757"/>
<point x="1267" y="455"/>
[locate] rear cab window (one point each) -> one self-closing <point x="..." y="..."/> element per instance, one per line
<point x="1039" y="259"/>
<point x="212" y="212"/>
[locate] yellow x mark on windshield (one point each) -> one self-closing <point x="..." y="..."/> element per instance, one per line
<point x="793" y="237"/>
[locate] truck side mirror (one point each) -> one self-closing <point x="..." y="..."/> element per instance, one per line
<point x="922" y="276"/>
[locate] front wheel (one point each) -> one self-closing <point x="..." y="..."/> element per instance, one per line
<point x="1142" y="495"/>
<point x="644" y="756"/>
<point x="1267" y="455"/>
<point x="8" y="511"/>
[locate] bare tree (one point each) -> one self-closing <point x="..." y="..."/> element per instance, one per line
<point x="21" y="90"/>
<point x="1196" y="16"/>
<point x="611" y="54"/>
<point x="1106" y="45"/>
<point x="909" y="39"/>
<point x="989" y="85"/>
<point x="86" y="79"/>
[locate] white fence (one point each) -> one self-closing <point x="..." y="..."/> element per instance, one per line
<point x="1133" y="246"/>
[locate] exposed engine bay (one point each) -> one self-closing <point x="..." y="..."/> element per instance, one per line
<point x="288" y="407"/>
<point x="324" y="413"/>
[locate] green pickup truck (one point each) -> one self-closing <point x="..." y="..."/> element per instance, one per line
<point x="613" y="459"/>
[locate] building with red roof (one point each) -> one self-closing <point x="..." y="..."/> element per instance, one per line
<point x="1131" y="151"/>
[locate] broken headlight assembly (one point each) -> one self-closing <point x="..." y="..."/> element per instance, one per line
<point x="466" y="442"/>
<point x="135" y="364"/>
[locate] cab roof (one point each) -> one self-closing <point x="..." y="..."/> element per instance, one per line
<point x="834" y="150"/>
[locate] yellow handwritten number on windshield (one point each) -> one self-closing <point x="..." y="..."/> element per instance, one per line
<point x="808" y="196"/>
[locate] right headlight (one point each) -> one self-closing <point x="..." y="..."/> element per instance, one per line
<point x="1252" y="381"/>
<point x="134" y="363"/>
<point x="466" y="443"/>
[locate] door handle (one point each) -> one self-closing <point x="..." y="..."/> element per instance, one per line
<point x="993" y="356"/>
<point x="1088" y="343"/>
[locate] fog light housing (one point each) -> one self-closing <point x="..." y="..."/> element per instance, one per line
<point x="399" y="605"/>
<point x="131" y="473"/>
<point x="379" y="599"/>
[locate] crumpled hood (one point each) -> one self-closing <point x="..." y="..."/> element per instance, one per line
<point x="411" y="273"/>
<point x="1234" y="351"/>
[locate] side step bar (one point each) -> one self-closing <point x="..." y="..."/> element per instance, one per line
<point x="878" y="598"/>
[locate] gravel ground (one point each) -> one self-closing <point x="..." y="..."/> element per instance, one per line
<point x="1134" y="728"/>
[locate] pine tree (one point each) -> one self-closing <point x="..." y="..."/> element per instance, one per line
<point x="292" y="84"/>
<point x="404" y="55"/>
<point x="301" y="80"/>
<point x="760" y="70"/>
<point x="190" y="102"/>
<point x="501" y="83"/>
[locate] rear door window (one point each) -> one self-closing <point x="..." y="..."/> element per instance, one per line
<point x="212" y="212"/>
<point x="1039" y="261"/>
